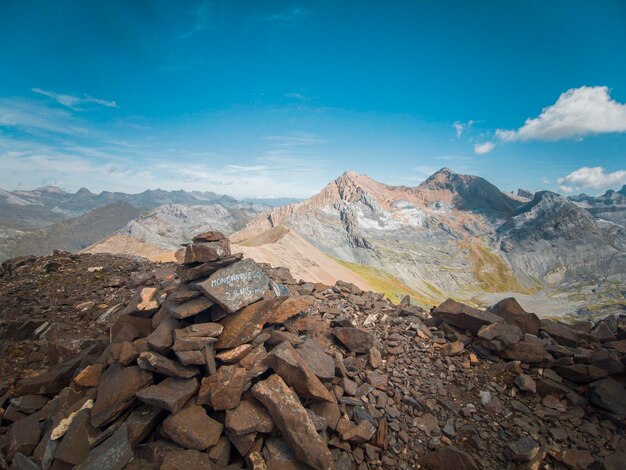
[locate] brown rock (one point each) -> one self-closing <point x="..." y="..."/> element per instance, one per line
<point x="580" y="373"/>
<point x="375" y="359"/>
<point x="290" y="307"/>
<point x="162" y="338"/>
<point x="220" y="452"/>
<point x="279" y="455"/>
<point x="498" y="336"/>
<point x="205" y="252"/>
<point x="222" y="390"/>
<point x="287" y="363"/>
<point x="322" y="364"/>
<point x="294" y="422"/>
<point x="89" y="376"/>
<point x="170" y="394"/>
<point x="24" y="436"/>
<point x="523" y="450"/>
<point x="243" y="326"/>
<point x="463" y="316"/>
<point x="248" y="417"/>
<point x="360" y="433"/>
<point x="355" y="339"/>
<point x="236" y="286"/>
<point x="232" y="356"/>
<point x="574" y="459"/>
<point x="116" y="392"/>
<point x="191" y="273"/>
<point x="528" y="352"/>
<point x="191" y="358"/>
<point x="50" y="381"/>
<point x="609" y="395"/>
<point x="448" y="458"/>
<point x="78" y="439"/>
<point x="453" y="348"/>
<point x="190" y="308"/>
<point x="142" y="422"/>
<point x="210" y="236"/>
<point x="513" y="314"/>
<point x="192" y="428"/>
<point x="155" y="362"/>
<point x="186" y="460"/>
<point x="561" y="333"/>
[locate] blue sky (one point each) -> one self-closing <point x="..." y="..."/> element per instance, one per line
<point x="276" y="98"/>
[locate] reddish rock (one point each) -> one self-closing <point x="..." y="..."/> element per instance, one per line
<point x="232" y="356"/>
<point x="322" y="364"/>
<point x="222" y="390"/>
<point x="171" y="394"/>
<point x="287" y="363"/>
<point x="142" y="422"/>
<point x="355" y="339"/>
<point x="243" y="326"/>
<point x="562" y="334"/>
<point x="290" y="307"/>
<point x="294" y="422"/>
<point x="192" y="428"/>
<point x="463" y="316"/>
<point x="248" y="417"/>
<point x="186" y="460"/>
<point x="162" y="338"/>
<point x="360" y="433"/>
<point x="210" y="236"/>
<point x="528" y="352"/>
<point x="190" y="308"/>
<point x="513" y="314"/>
<point x="498" y="336"/>
<point x="89" y="376"/>
<point x="155" y="362"/>
<point x="205" y="252"/>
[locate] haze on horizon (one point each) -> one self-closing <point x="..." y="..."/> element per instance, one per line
<point x="276" y="98"/>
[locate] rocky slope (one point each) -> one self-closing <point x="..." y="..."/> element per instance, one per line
<point x="222" y="363"/>
<point x="458" y="235"/>
<point x="610" y="206"/>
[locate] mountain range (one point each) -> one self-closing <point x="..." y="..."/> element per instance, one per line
<point x="453" y="235"/>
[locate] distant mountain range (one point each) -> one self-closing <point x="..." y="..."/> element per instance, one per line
<point x="453" y="235"/>
<point x="47" y="218"/>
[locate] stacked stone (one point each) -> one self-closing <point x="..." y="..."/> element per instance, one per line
<point x="231" y="364"/>
<point x="207" y="371"/>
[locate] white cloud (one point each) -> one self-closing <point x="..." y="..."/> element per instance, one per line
<point x="74" y="102"/>
<point x="483" y="148"/>
<point x="595" y="178"/>
<point x="578" y="112"/>
<point x="460" y="127"/>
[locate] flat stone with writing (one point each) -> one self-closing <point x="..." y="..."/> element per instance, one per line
<point x="236" y="286"/>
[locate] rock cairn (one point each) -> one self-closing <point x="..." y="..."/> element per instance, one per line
<point x="232" y="364"/>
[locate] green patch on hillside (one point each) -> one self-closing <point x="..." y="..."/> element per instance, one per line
<point x="491" y="272"/>
<point x="382" y="281"/>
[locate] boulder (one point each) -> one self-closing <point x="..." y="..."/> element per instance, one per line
<point x="236" y="286"/>
<point x="248" y="417"/>
<point x="155" y="362"/>
<point x="513" y="314"/>
<point x="222" y="390"/>
<point x="210" y="236"/>
<point x="525" y="351"/>
<point x="162" y="338"/>
<point x="190" y="308"/>
<point x="186" y="460"/>
<point x="142" y="422"/>
<point x="580" y="373"/>
<point x="205" y="252"/>
<point x="322" y="364"/>
<point x="23" y="436"/>
<point x="116" y="392"/>
<point x="287" y="363"/>
<point x="463" y="316"/>
<point x="112" y="454"/>
<point x="50" y="381"/>
<point x="171" y="394"/>
<point x="290" y="307"/>
<point x="294" y="422"/>
<point x="498" y="336"/>
<point x="609" y="395"/>
<point x="192" y="428"/>
<point x="243" y="326"/>
<point x="354" y="339"/>
<point x="561" y="333"/>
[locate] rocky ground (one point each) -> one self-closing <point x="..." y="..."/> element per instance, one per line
<point x="223" y="363"/>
